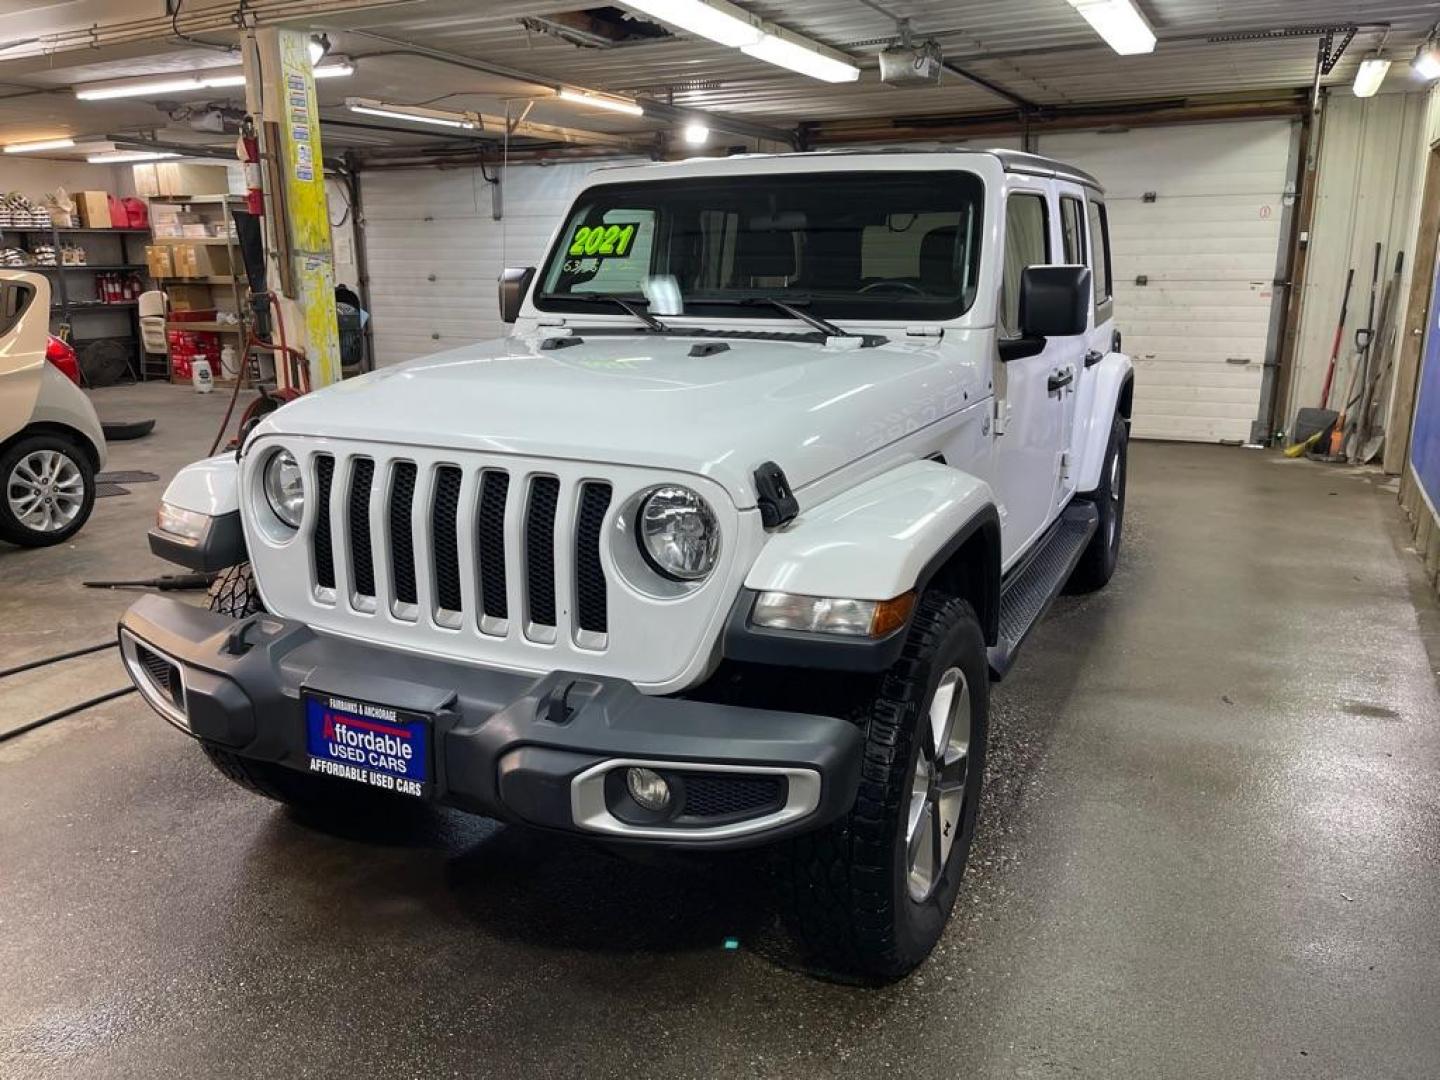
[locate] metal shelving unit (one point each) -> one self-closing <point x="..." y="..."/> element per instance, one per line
<point x="235" y="279"/>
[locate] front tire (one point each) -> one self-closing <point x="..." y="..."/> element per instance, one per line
<point x="870" y="895"/>
<point x="1102" y="555"/>
<point x="47" y="490"/>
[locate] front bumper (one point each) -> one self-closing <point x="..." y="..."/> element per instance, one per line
<point x="549" y="750"/>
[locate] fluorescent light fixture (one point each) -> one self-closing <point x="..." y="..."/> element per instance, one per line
<point x="628" y="106"/>
<point x="414" y="113"/>
<point x="223" y="80"/>
<point x="1373" y="70"/>
<point x="1427" y="59"/>
<point x="787" y="51"/>
<point x="125" y="157"/>
<point x="722" y="23"/>
<point x="335" y="68"/>
<point x="695" y="134"/>
<point x="36" y="147"/>
<point x="1119" y="23"/>
<point x="138" y="88"/>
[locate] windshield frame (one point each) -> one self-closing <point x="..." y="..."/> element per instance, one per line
<point x="888" y="307"/>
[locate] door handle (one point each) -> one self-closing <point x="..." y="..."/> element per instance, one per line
<point x="1060" y="379"/>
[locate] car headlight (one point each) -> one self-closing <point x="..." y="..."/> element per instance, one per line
<point x="679" y="535"/>
<point x="285" y="487"/>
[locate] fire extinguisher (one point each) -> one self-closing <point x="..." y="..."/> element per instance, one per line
<point x="247" y="149"/>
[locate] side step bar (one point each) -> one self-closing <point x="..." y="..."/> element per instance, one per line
<point x="1026" y="593"/>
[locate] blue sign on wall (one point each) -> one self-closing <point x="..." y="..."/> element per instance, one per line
<point x="1425" y="440"/>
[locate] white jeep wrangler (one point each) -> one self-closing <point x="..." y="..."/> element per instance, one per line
<point x="721" y="547"/>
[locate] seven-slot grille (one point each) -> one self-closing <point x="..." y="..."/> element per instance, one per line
<point x="459" y="517"/>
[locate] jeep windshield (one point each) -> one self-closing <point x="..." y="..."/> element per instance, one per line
<point x="896" y="245"/>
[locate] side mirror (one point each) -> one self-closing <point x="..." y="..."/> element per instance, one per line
<point x="514" y="284"/>
<point x="1054" y="301"/>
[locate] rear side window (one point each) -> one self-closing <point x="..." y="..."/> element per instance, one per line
<point x="1027" y="243"/>
<point x="1072" y="229"/>
<point x="14" y="299"/>
<point x="1100" y="249"/>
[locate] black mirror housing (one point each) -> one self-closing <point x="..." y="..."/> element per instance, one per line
<point x="1054" y="301"/>
<point x="514" y="284"/>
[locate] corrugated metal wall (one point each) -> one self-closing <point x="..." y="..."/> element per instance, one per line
<point x="1368" y="186"/>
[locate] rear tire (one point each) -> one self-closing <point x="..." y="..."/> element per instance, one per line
<point x="870" y="895"/>
<point x="1102" y="555"/>
<point x="47" y="490"/>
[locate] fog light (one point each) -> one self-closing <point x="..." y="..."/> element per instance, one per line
<point x="648" y="788"/>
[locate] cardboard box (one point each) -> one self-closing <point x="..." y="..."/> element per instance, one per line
<point x="159" y="260"/>
<point x="93" y="208"/>
<point x="179" y="178"/>
<point x="190" y="298"/>
<point x="147" y="180"/>
<point x="201" y="260"/>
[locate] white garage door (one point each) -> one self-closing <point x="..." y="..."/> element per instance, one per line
<point x="435" y="251"/>
<point x="1206" y="244"/>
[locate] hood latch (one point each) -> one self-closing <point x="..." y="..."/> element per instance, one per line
<point x="773" y="496"/>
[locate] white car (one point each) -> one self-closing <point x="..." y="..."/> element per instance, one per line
<point x="51" y="443"/>
<point x="721" y="547"/>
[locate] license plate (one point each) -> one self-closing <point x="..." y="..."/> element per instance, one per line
<point x="368" y="743"/>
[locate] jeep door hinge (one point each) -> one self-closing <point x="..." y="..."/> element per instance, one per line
<point x="1065" y="465"/>
<point x="1002" y="415"/>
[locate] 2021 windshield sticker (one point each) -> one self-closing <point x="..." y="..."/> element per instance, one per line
<point x="603" y="241"/>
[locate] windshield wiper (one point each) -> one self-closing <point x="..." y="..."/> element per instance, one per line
<point x="825" y="326"/>
<point x="628" y="306"/>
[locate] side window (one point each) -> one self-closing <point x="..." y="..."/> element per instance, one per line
<point x="1027" y="243"/>
<point x="14" y="299"/>
<point x="1072" y="229"/>
<point x="1100" y="249"/>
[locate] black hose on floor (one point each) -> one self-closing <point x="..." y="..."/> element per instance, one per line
<point x="33" y="664"/>
<point x="69" y="710"/>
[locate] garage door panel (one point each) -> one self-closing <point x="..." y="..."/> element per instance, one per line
<point x="1206" y="242"/>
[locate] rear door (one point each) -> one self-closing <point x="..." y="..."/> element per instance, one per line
<point x="24" y="332"/>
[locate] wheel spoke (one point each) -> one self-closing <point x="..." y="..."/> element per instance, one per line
<point x="939" y="843"/>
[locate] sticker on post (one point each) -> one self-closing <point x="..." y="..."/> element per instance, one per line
<point x="372" y="744"/>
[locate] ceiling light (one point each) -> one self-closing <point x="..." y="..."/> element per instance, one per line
<point x="137" y="88"/>
<point x="695" y="134"/>
<point x="789" y="52"/>
<point x="1373" y="70"/>
<point x="222" y="80"/>
<point x="414" y="113"/>
<point x="628" y="106"/>
<point x="1119" y="23"/>
<point x="1427" y="58"/>
<point x="318" y="45"/>
<point x="123" y="157"/>
<point x="36" y="147"/>
<point x="722" y="23"/>
<point x="335" y="68"/>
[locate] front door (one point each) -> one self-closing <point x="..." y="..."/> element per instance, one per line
<point x="1031" y="391"/>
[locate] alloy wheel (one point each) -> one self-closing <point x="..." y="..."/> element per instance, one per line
<point x="937" y="790"/>
<point x="45" y="491"/>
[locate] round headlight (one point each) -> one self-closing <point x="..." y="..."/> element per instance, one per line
<point x="285" y="488"/>
<point x="679" y="536"/>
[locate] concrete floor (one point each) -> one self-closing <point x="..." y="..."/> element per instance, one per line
<point x="1209" y="848"/>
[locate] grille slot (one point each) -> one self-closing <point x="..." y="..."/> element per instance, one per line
<point x="490" y="543"/>
<point x="402" y="544"/>
<point x="164" y="674"/>
<point x="362" y="556"/>
<point x="590" y="606"/>
<point x="718" y="795"/>
<point x="445" y="538"/>
<point x="540" y="549"/>
<point x="324" y="552"/>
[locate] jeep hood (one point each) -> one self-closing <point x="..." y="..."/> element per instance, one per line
<point x="647" y="401"/>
